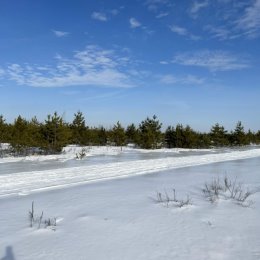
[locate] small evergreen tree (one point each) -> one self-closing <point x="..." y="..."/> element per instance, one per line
<point x="79" y="129"/>
<point x="20" y="136"/>
<point x="170" y="137"/>
<point x="56" y="133"/>
<point x="150" y="133"/>
<point x="238" y="136"/>
<point x="218" y="135"/>
<point x="118" y="135"/>
<point x="132" y="134"/>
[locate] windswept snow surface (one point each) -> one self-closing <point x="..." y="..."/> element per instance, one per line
<point x="26" y="182"/>
<point x="118" y="219"/>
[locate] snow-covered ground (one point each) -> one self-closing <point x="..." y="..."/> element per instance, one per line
<point x="101" y="215"/>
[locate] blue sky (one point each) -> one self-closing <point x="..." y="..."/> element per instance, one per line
<point x="190" y="62"/>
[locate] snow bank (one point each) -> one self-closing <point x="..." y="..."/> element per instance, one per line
<point x="69" y="152"/>
<point x="26" y="182"/>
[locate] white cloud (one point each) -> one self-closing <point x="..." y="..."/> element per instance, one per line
<point x="220" y="33"/>
<point x="91" y="67"/>
<point x="134" y="23"/>
<point x="99" y="16"/>
<point x="183" y="32"/>
<point x="164" y="62"/>
<point x="186" y="80"/>
<point x="241" y="19"/>
<point x="250" y="21"/>
<point x="197" y="6"/>
<point x="161" y="15"/>
<point x="60" y="33"/>
<point x="179" y="30"/>
<point x="153" y="5"/>
<point x="212" y="60"/>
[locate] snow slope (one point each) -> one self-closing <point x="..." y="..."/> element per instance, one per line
<point x="26" y="182"/>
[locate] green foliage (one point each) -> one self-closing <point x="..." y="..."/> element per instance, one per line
<point x="218" y="136"/>
<point x="150" y="133"/>
<point x="56" y="133"/>
<point x="185" y="137"/>
<point x="4" y="133"/>
<point x="30" y="136"/>
<point x="79" y="134"/>
<point x="238" y="137"/>
<point x="132" y="134"/>
<point x="118" y="134"/>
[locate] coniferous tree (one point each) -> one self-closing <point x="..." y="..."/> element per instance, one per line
<point x="102" y="136"/>
<point x="132" y="134"/>
<point x="170" y="137"/>
<point x="118" y="135"/>
<point x="238" y="136"/>
<point x="218" y="135"/>
<point x="56" y="133"/>
<point x="3" y="130"/>
<point x="189" y="138"/>
<point x="79" y="129"/>
<point x="20" y="138"/>
<point x="179" y="136"/>
<point x="251" y="137"/>
<point x="35" y="140"/>
<point x="150" y="133"/>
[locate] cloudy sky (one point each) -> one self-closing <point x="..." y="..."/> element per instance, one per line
<point x="190" y="62"/>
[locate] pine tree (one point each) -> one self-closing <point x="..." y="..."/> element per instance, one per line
<point x="179" y="136"/>
<point x="218" y="135"/>
<point x="118" y="135"/>
<point x="3" y="130"/>
<point x="102" y="136"/>
<point x="150" y="133"/>
<point x="56" y="133"/>
<point x="20" y="139"/>
<point x="238" y="136"/>
<point x="170" y="137"/>
<point x="132" y="134"/>
<point x="79" y="129"/>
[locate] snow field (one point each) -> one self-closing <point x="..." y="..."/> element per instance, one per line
<point x="118" y="219"/>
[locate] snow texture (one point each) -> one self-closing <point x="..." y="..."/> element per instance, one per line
<point x="116" y="218"/>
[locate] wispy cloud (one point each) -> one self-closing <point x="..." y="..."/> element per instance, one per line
<point x="134" y="23"/>
<point x="242" y="19"/>
<point x="99" y="16"/>
<point x="179" y="30"/>
<point x="197" y="6"/>
<point x="184" y="80"/>
<point x="212" y="60"/>
<point x="183" y="32"/>
<point x="161" y="15"/>
<point x="91" y="67"/>
<point x="220" y="33"/>
<point x="154" y="5"/>
<point x="60" y="33"/>
<point x="250" y="21"/>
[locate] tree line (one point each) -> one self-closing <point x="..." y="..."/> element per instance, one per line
<point x="48" y="137"/>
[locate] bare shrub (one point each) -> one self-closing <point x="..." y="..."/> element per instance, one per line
<point x="31" y="215"/>
<point x="38" y="220"/>
<point x="80" y="155"/>
<point x="171" y="199"/>
<point x="227" y="189"/>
